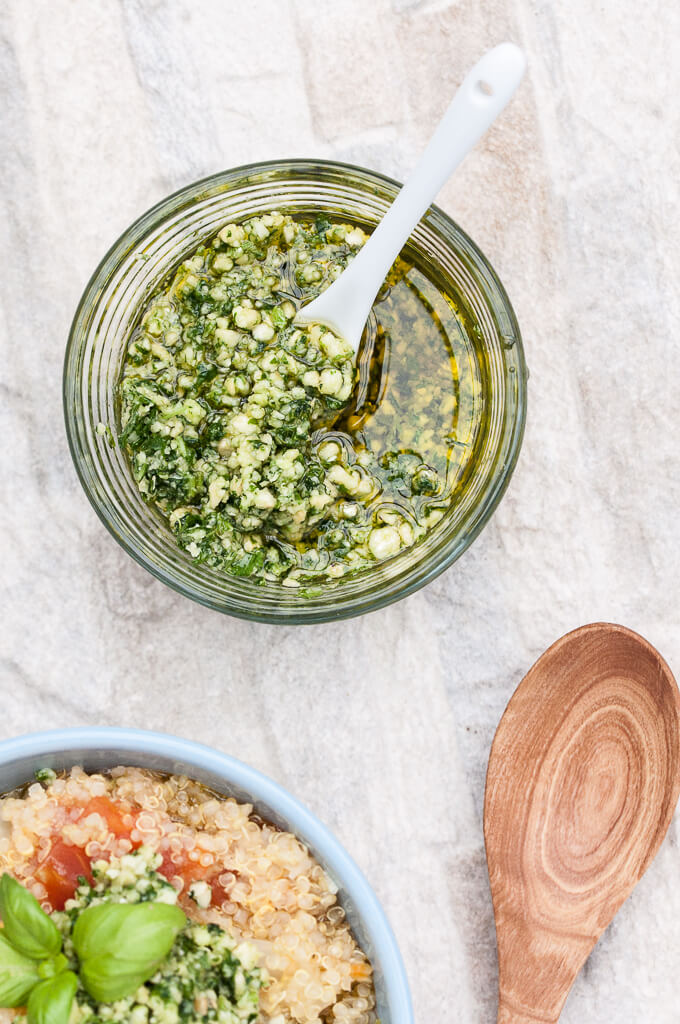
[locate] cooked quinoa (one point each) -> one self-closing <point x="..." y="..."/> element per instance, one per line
<point x="226" y="867"/>
<point x="240" y="426"/>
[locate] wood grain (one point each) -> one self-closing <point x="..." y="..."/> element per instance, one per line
<point x="583" y="779"/>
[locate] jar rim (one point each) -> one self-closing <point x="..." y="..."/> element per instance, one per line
<point x="370" y="596"/>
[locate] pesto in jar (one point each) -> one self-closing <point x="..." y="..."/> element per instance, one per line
<point x="270" y="454"/>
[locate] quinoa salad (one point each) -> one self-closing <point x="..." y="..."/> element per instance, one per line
<point x="260" y="443"/>
<point x="261" y="937"/>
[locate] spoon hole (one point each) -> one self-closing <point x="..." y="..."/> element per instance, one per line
<point x="484" y="89"/>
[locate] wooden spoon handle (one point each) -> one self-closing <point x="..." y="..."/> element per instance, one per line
<point x="510" y="1015"/>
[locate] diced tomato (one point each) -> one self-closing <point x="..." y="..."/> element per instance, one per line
<point x="113" y="814"/>
<point x="219" y="893"/>
<point x="188" y="870"/>
<point x="191" y="871"/>
<point x="60" y="870"/>
<point x="64" y="864"/>
<point x="167" y="868"/>
<point x="360" y="971"/>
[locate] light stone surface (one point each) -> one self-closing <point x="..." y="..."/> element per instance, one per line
<point x="381" y="725"/>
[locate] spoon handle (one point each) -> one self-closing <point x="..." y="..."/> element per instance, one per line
<point x="484" y="93"/>
<point x="509" y="1015"/>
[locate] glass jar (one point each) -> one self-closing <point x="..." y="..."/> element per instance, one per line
<point x="135" y="267"/>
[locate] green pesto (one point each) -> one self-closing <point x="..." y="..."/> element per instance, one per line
<point x="269" y="453"/>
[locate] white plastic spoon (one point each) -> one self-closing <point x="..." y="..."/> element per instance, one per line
<point x="485" y="92"/>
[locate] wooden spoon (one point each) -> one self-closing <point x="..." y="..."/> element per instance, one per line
<point x="582" y="782"/>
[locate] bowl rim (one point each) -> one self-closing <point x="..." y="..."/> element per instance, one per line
<point x="421" y="573"/>
<point x="303" y="822"/>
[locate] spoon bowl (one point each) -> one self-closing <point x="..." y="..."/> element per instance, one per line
<point x="582" y="783"/>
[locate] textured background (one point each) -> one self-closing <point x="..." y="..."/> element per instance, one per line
<point x="381" y="725"/>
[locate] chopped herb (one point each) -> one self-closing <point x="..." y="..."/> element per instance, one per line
<point x="223" y="404"/>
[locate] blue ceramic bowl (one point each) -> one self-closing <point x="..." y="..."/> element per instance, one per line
<point x="102" y="748"/>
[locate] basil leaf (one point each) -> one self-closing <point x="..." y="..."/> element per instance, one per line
<point x="120" y="945"/>
<point x="108" y="977"/>
<point x="18" y="975"/>
<point x="50" y="1002"/>
<point x="55" y="965"/>
<point x="137" y="931"/>
<point x="27" y="926"/>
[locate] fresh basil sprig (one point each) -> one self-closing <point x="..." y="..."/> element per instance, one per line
<point x="121" y="945"/>
<point x="33" y="970"/>
<point x="50" y="1002"/>
<point x="18" y="975"/>
<point x="26" y="924"/>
